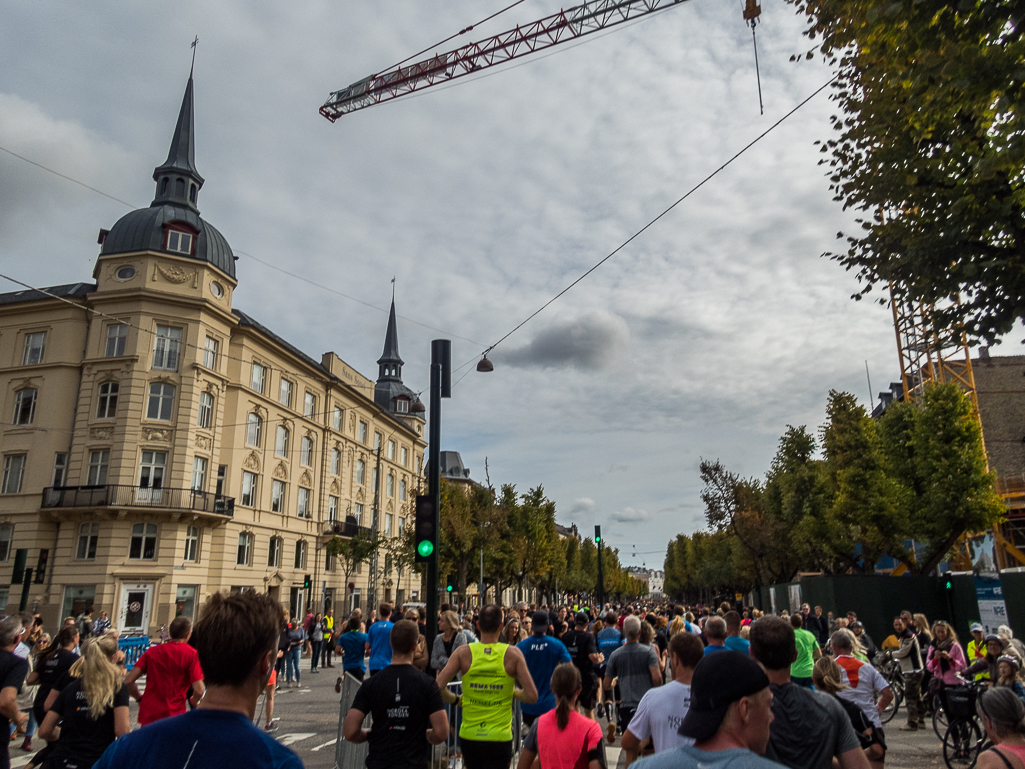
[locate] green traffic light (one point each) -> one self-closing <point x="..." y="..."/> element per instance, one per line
<point x="449" y="588"/>
<point x="597" y="539"/>
<point x="425" y="548"/>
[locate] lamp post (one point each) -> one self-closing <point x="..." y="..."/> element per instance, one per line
<point x="441" y="387"/>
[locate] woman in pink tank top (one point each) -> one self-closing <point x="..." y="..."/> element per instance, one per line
<point x="1003" y="717"/>
<point x="562" y="738"/>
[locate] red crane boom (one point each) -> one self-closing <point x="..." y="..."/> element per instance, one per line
<point x="544" y="33"/>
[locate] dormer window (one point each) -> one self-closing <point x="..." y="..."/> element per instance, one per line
<point x="180" y="242"/>
<point x="402" y="405"/>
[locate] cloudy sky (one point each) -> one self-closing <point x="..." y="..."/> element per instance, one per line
<point x="705" y="337"/>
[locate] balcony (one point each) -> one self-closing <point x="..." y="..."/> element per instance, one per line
<point x="347" y="528"/>
<point x="135" y="496"/>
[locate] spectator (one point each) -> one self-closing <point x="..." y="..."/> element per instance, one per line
<point x="102" y="624"/>
<point x="237" y="641"/>
<point x="912" y="668"/>
<point x="170" y="669"/>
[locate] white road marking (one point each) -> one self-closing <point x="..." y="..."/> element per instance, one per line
<point x="290" y="739"/>
<point x="329" y="742"/>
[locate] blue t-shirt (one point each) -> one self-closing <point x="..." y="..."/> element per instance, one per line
<point x="609" y="640"/>
<point x="715" y="648"/>
<point x="200" y="739"/>
<point x="543" y="654"/>
<point x="693" y="758"/>
<point x="380" y="644"/>
<point x="738" y="644"/>
<point x="353" y="644"/>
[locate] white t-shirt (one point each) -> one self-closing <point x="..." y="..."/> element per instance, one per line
<point x="659" y="715"/>
<point x="865" y="682"/>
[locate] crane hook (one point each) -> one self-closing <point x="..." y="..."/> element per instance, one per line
<point x="752" y="10"/>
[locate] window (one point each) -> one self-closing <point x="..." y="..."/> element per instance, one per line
<point x="210" y="347"/>
<point x="402" y="490"/>
<point x="336" y="462"/>
<point x="161" y="401"/>
<point x="363" y="432"/>
<point x="389" y="519"/>
<point x="278" y="495"/>
<point x="338" y="418"/>
<point x="391" y="485"/>
<point x="361" y="470"/>
<point x="274" y="552"/>
<point x="329" y="562"/>
<point x="117" y="336"/>
<point x="402" y="526"/>
<point x="24" y="407"/>
<point x="6" y="536"/>
<point x="358" y="507"/>
<point x="199" y="465"/>
<point x="286" y="393"/>
<point x="60" y="468"/>
<point x="179" y="241"/>
<point x="306" y="451"/>
<point x="222" y="473"/>
<point x="191" y="543"/>
<point x="88" y="536"/>
<point x="14" y="469"/>
<point x="106" y="403"/>
<point x="151" y="472"/>
<point x="206" y="410"/>
<point x="144" y="541"/>
<point x="300" y="554"/>
<point x="332" y="508"/>
<point x="99" y="461"/>
<point x="377" y="440"/>
<point x="281" y="442"/>
<point x="248" y="498"/>
<point x="166" y="348"/>
<point x="245" y="549"/>
<point x="374" y="484"/>
<point x="303" y="506"/>
<point x="259" y="377"/>
<point x="391" y="450"/>
<point x="35" y="346"/>
<point x="310" y="406"/>
<point x="254" y="428"/>
<point x="402" y="405"/>
<point x="404" y="457"/>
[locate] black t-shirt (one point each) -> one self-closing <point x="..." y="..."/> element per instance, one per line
<point x="83" y="738"/>
<point x="51" y="670"/>
<point x="13" y="671"/>
<point x="661" y="641"/>
<point x="401" y="699"/>
<point x="580" y="645"/>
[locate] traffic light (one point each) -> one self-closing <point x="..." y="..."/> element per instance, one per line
<point x="450" y="583"/>
<point x="424" y="532"/>
<point x="308" y="582"/>
<point x="597" y="534"/>
<point x="950" y="584"/>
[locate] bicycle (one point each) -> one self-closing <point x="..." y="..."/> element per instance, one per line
<point x="964" y="739"/>
<point x="889" y="668"/>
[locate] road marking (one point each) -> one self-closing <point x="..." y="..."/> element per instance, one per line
<point x="290" y="739"/>
<point x="329" y="742"/>
<point x="20" y="761"/>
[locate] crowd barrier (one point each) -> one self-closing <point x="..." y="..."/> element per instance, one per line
<point x="347" y="754"/>
<point x="133" y="648"/>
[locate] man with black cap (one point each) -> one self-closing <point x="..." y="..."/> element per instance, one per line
<point x="810" y="729"/>
<point x="729" y="716"/>
<point x="585" y="655"/>
<point x="543" y="654"/>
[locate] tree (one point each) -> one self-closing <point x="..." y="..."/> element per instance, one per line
<point x="352" y="552"/>
<point x="931" y="146"/>
<point x="532" y="534"/>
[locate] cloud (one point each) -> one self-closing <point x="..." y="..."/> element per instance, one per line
<point x="629" y="515"/>
<point x="589" y="341"/>
<point x="584" y="505"/>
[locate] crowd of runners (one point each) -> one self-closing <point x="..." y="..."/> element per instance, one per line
<point x="674" y="686"/>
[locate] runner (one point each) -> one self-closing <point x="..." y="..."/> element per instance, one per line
<point x="828" y="679"/>
<point x="53" y="662"/>
<point x="543" y="654"/>
<point x="807" y="653"/>
<point x="1001" y="714"/>
<point x="585" y="655"/>
<point x="379" y="639"/>
<point x="562" y="738"/>
<point x="663" y="708"/>
<point x="408" y="713"/>
<point x="12" y="676"/>
<point x="490" y="671"/>
<point x="170" y="668"/>
<point x="608" y="640"/>
<point x="636" y="666"/>
<point x="733" y="639"/>
<point x="715" y="635"/>
<point x="352" y="646"/>
<point x="867" y="689"/>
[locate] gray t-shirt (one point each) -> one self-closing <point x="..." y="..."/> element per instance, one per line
<point x="809" y="728"/>
<point x="631" y="663"/>
<point x="693" y="758"/>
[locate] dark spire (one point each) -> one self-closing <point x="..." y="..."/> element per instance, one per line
<point x="178" y="181"/>
<point x="390" y="364"/>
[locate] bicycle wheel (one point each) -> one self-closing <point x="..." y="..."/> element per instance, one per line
<point x="897" y="687"/>
<point x="939" y="719"/>
<point x="961" y="744"/>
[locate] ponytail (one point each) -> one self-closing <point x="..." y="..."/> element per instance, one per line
<point x="101" y="678"/>
<point x="565" y="687"/>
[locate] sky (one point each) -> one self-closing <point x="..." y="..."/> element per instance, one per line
<point x="703" y="338"/>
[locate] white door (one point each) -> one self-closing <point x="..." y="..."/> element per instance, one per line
<point x="136" y="606"/>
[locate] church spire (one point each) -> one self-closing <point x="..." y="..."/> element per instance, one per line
<point x="390" y="364"/>
<point x="178" y="181"/>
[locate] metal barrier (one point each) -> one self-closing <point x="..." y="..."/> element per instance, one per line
<point x="133" y="649"/>
<point x="349" y="755"/>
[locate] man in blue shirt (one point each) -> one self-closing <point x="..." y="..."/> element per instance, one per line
<point x="543" y="654"/>
<point x="609" y="639"/>
<point x="733" y="639"/>
<point x="379" y="644"/>
<point x="715" y="633"/>
<point x="237" y="641"/>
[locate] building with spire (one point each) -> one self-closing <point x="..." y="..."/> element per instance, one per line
<point x="161" y="444"/>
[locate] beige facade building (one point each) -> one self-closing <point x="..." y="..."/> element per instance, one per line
<point x="159" y="445"/>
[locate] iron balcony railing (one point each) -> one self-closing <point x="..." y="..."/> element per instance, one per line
<point x="136" y="496"/>
<point x="347" y="528"/>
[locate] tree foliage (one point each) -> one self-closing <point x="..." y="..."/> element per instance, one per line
<point x="930" y="148"/>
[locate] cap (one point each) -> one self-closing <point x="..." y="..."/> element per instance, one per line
<point x="857" y="623"/>
<point x="540" y="620"/>
<point x="719" y="680"/>
<point x="976" y="627"/>
<point x="582" y="618"/>
<point x="994" y="637"/>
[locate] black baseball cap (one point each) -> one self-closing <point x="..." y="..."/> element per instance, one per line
<point x="719" y="680"/>
<point x="582" y="618"/>
<point x="540" y="621"/>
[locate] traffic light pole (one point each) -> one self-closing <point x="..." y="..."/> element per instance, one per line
<point x="441" y="387"/>
<point x="601" y="578"/>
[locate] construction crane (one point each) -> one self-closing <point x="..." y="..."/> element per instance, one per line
<point x="577" y="22"/>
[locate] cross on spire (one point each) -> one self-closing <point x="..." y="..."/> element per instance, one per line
<point x="193" y="46"/>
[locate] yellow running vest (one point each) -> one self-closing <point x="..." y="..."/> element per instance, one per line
<point x="487" y="695"/>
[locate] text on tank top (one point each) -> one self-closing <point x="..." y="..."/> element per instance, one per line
<point x="487" y="695"/>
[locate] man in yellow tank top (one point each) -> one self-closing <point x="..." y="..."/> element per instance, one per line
<point x="490" y="672"/>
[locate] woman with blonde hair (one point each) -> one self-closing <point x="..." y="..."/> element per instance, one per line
<point x="92" y="709"/>
<point x="450" y="637"/>
<point x="563" y="738"/>
<point x="828" y="678"/>
<point x="946" y="658"/>
<point x="511" y="631"/>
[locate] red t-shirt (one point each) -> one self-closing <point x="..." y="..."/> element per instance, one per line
<point x="571" y="748"/>
<point x="170" y="669"/>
